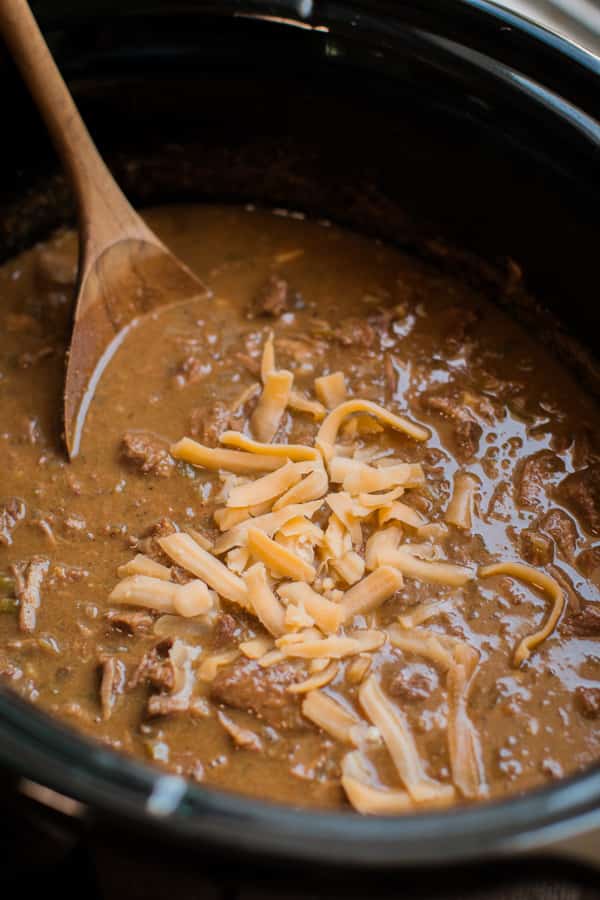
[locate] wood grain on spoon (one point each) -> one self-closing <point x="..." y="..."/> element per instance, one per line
<point x="125" y="271"/>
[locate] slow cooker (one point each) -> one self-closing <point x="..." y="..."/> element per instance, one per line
<point x="412" y="121"/>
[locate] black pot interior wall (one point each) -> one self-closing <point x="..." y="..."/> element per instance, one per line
<point x="413" y="143"/>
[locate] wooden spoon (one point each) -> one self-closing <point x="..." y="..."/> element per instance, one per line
<point x="125" y="271"/>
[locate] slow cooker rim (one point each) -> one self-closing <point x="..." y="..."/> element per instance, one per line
<point x="515" y="33"/>
<point x="32" y="746"/>
<point x="276" y="829"/>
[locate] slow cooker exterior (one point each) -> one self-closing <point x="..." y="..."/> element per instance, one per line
<point x="414" y="122"/>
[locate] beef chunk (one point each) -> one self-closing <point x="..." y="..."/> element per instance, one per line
<point x="588" y="562"/>
<point x="132" y="621"/>
<point x="467" y="433"/>
<point x="11" y="513"/>
<point x="444" y="403"/>
<point x="28" y="582"/>
<point x="226" y="631"/>
<point x="208" y="424"/>
<point x="355" y="332"/>
<point x="245" y="685"/>
<point x="584" y="449"/>
<point x="536" y="548"/>
<point x="148" y="542"/>
<point x="561" y="527"/>
<point x="585" y="623"/>
<point x="581" y="493"/>
<point x="180" y="575"/>
<point x="112" y="682"/>
<point x="147" y="453"/>
<point x="177" y="692"/>
<point x="273" y="299"/>
<point x="412" y="685"/>
<point x="588" y="701"/>
<point x="155" y="668"/>
<point x="534" y="474"/>
<point x="466" y="429"/>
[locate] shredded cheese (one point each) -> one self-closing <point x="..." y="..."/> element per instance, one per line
<point x="380" y="543"/>
<point x="191" y="599"/>
<point x="541" y="581"/>
<point x="371" y="592"/>
<point x="187" y="553"/>
<point x="365" y="797"/>
<point x="247" y="394"/>
<point x="263" y="601"/>
<point x="269" y="523"/>
<point x="350" y="567"/>
<point x="357" y="669"/>
<point x="279" y="559"/>
<point x="421" y="643"/>
<point x="293" y="452"/>
<point x="337" y="538"/>
<point x="230" y="460"/>
<point x="433" y="531"/>
<point x="424" y="570"/>
<point x="327" y="615"/>
<point x="302" y="404"/>
<point x="272" y="403"/>
<point x="328" y="431"/>
<point x="269" y="487"/>
<point x="199" y="538"/>
<point x="401" y="745"/>
<point x="143" y="565"/>
<point x="310" y="488"/>
<point x="271" y="659"/>
<point x="331" y="389"/>
<point x="257" y="647"/>
<point x="376" y="501"/>
<point x="330" y="716"/>
<point x="303" y="528"/>
<point x="359" y="477"/>
<point x="463" y="740"/>
<point x="401" y="512"/>
<point x="422" y="613"/>
<point x="334" y="647"/>
<point x="315" y="681"/>
<point x="228" y="518"/>
<point x="460" y="508"/>
<point x="267" y="363"/>
<point x="270" y="493"/>
<point x="349" y="512"/>
<point x="296" y="618"/>
<point x="209" y="666"/>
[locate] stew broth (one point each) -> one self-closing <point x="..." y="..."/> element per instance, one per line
<point x="509" y="472"/>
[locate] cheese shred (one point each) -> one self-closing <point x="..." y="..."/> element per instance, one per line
<point x="538" y="580"/>
<point x="327" y="434"/>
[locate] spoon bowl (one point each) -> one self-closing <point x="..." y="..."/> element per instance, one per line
<point x="125" y="271"/>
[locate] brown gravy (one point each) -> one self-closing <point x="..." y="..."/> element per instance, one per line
<point x="420" y="343"/>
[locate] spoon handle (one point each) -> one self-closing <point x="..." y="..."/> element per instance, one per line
<point x="105" y="214"/>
